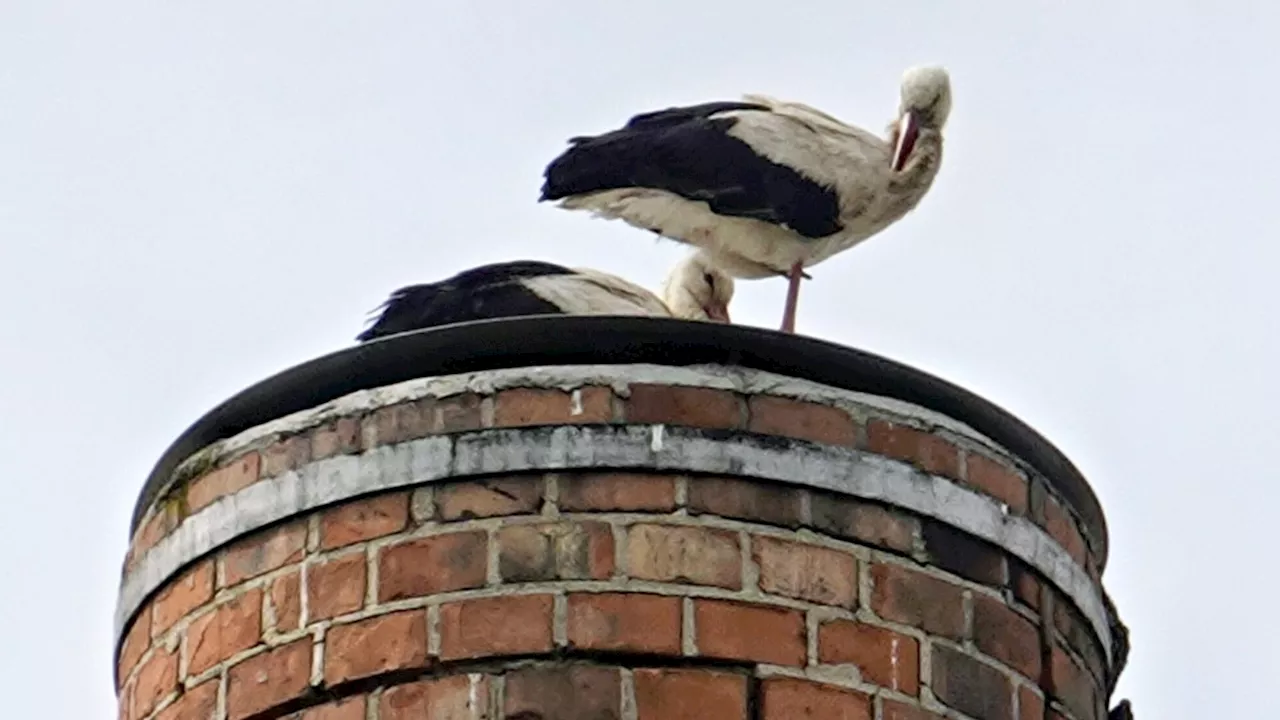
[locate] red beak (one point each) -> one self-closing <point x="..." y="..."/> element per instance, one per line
<point x="908" y="131"/>
<point x="719" y="313"/>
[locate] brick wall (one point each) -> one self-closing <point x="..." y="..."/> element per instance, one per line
<point x="610" y="593"/>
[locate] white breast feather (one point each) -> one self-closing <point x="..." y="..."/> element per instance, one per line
<point x="590" y="292"/>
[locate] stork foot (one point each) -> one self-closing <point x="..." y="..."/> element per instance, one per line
<point x="793" y="296"/>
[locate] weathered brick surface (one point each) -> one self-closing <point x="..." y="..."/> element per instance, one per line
<point x="802" y="420"/>
<point x="439" y="600"/>
<point x="691" y="406"/>
<point x="529" y="406"/>
<point x="233" y="626"/>
<point x="746" y="500"/>
<point x="864" y="522"/>
<point x="924" y="450"/>
<point x="264" y="552"/>
<point x="752" y="632"/>
<point x="684" y="554"/>
<point x="635" y="492"/>
<point x="513" y="625"/>
<point x="624" y="622"/>
<point x="568" y="692"/>
<point x="787" y="698"/>
<point x="435" y="564"/>
<point x="231" y="477"/>
<point x="354" y="522"/>
<point x="688" y="694"/>
<point x="268" y="679"/>
<point x="487" y="498"/>
<point x="336" y="586"/>
<point x="191" y="590"/>
<point x="455" y="697"/>
<point x="806" y="572"/>
<point x="970" y="686"/>
<point x="884" y="657"/>
<point x="395" y="641"/>
<point x="555" y="551"/>
<point x="913" y="598"/>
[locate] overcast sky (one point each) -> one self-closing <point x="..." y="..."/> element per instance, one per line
<point x="194" y="196"/>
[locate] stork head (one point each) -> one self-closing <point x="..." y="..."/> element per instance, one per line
<point x="926" y="103"/>
<point x="697" y="289"/>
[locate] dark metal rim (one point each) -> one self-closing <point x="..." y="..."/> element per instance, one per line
<point x="607" y="340"/>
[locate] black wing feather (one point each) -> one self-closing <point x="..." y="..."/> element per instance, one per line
<point x="484" y="292"/>
<point x="687" y="151"/>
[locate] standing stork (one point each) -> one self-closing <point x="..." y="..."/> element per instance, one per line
<point x="765" y="187"/>
<point x="695" y="289"/>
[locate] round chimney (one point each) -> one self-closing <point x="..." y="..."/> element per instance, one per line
<point x="588" y="518"/>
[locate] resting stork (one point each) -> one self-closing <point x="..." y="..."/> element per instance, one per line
<point x="694" y="290"/>
<point x="766" y="187"/>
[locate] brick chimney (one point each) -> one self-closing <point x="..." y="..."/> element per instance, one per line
<point x="576" y="518"/>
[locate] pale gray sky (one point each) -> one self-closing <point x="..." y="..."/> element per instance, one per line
<point x="196" y="195"/>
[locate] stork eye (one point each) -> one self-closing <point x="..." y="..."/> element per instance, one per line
<point x="711" y="280"/>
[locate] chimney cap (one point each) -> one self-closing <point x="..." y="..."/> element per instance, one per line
<point x="586" y="339"/>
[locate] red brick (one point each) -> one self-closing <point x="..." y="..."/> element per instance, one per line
<point x="752" y="500"/>
<point x="802" y="420"/>
<point x="924" y="450"/>
<point x="806" y="572"/>
<point x="959" y="552"/>
<point x="756" y="633"/>
<point x="395" y="641"/>
<point x="933" y="605"/>
<point x="515" y="495"/>
<point x="398" y="423"/>
<point x="336" y="587"/>
<point x="264" y="552"/>
<point x="354" y="522"/>
<point x="972" y="687"/>
<point x="197" y="703"/>
<point x="1071" y="685"/>
<point x="509" y="625"/>
<point x="555" y="551"/>
<point x="230" y="478"/>
<point x="1030" y="704"/>
<point x="447" y="698"/>
<point x="164" y="521"/>
<point x="625" y="492"/>
<point x="136" y="642"/>
<point x="284" y="455"/>
<point x="233" y="627"/>
<point x="564" y="692"/>
<point x="534" y="406"/>
<point x="624" y="622"/>
<point x="157" y="677"/>
<point x="864" y="522"/>
<point x="894" y="710"/>
<point x="884" y="657"/>
<point x="1062" y="528"/>
<point x="193" y="589"/>
<point x="678" y="694"/>
<point x="1006" y="636"/>
<point x="1025" y="584"/>
<point x="286" y="602"/>
<point x="268" y="679"/>
<point x="691" y="406"/>
<point x="791" y="698"/>
<point x="997" y="480"/>
<point x="695" y="555"/>
<point x="1079" y="635"/>
<point x="431" y="565"/>
<point x="352" y="708"/>
<point x="458" y="413"/>
<point x="340" y="437"/>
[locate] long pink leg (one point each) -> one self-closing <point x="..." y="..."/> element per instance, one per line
<point x="793" y="297"/>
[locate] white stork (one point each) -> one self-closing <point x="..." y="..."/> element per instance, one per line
<point x="694" y="290"/>
<point x="765" y="187"/>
